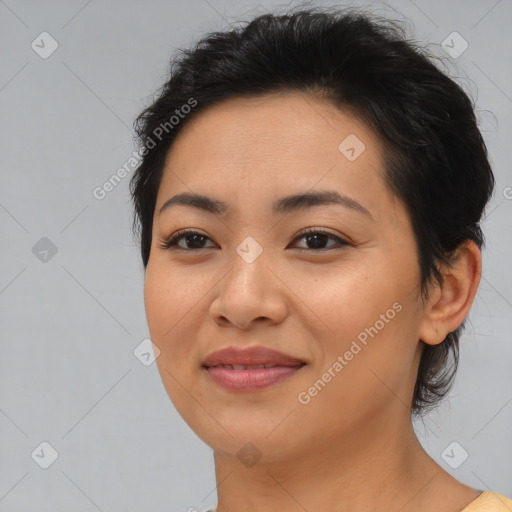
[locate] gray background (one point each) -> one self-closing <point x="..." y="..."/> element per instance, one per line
<point x="69" y="325"/>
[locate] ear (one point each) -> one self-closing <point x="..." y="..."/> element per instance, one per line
<point x="450" y="302"/>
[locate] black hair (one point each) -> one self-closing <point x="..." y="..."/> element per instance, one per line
<point x="435" y="159"/>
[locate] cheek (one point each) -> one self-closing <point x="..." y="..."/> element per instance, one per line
<point x="346" y="298"/>
<point x="171" y="315"/>
<point x="366" y="315"/>
<point x="166" y="314"/>
<point x="169" y="297"/>
<point x="157" y="303"/>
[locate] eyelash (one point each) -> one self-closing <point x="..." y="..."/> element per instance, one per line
<point x="172" y="242"/>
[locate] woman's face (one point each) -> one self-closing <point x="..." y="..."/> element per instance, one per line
<point x="343" y="302"/>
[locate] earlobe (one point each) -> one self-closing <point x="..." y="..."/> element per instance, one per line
<point x="450" y="302"/>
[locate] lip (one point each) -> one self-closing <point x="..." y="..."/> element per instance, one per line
<point x="282" y="366"/>
<point x="250" y="356"/>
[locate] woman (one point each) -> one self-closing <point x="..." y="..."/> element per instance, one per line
<point x="308" y="203"/>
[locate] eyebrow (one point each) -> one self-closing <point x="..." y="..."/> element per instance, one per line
<point x="280" y="206"/>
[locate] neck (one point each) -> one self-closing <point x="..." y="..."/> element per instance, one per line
<point x="379" y="466"/>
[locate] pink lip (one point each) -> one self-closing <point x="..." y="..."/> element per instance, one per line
<point x="251" y="379"/>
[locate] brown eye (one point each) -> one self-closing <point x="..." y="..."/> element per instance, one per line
<point x="317" y="240"/>
<point x="192" y="240"/>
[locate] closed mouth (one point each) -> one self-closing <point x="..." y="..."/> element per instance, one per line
<point x="253" y="367"/>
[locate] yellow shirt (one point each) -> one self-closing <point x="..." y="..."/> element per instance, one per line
<point x="490" y="501"/>
<point x="487" y="501"/>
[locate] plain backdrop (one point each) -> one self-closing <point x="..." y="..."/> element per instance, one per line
<point x="71" y="278"/>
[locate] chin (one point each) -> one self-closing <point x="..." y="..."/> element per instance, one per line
<point x="246" y="436"/>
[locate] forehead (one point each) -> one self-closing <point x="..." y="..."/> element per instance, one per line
<point x="273" y="145"/>
<point x="287" y="124"/>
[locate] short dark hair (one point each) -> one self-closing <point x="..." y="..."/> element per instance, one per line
<point x="435" y="159"/>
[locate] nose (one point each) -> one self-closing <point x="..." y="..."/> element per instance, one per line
<point x="249" y="294"/>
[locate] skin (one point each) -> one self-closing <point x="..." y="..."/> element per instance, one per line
<point x="352" y="447"/>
